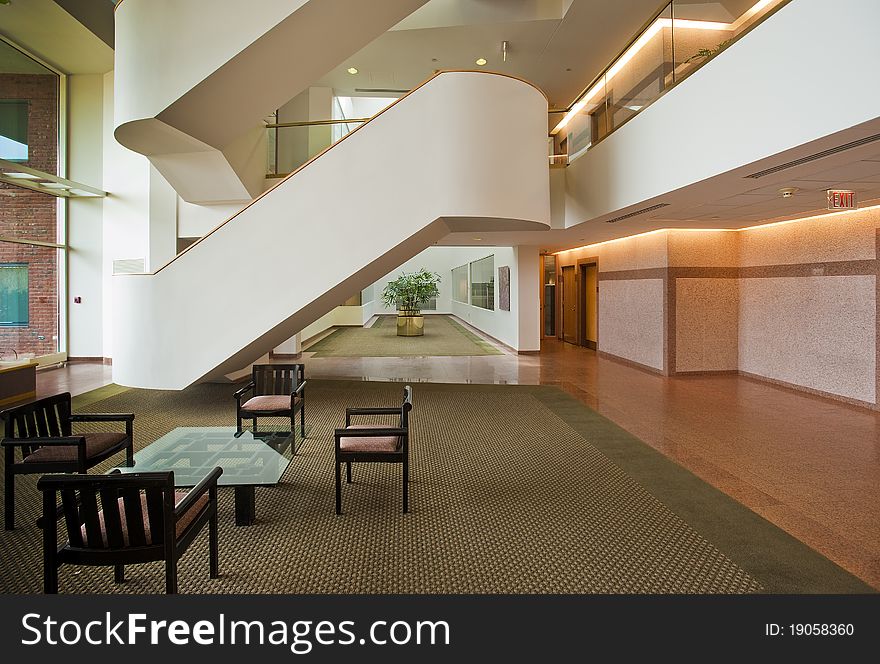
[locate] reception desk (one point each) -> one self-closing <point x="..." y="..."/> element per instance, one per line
<point x="18" y="381"/>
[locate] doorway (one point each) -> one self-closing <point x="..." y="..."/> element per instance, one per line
<point x="588" y="300"/>
<point x="569" y="305"/>
<point x="548" y="296"/>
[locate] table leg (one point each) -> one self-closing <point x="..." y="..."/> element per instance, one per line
<point x="245" y="505"/>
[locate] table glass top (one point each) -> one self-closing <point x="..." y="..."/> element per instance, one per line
<point x="192" y="452"/>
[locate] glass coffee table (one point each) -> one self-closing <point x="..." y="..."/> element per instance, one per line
<point x="247" y="461"/>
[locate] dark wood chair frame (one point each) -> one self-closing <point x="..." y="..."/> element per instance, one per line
<point x="401" y="455"/>
<point x="79" y="507"/>
<point x="48" y="422"/>
<point x="275" y="379"/>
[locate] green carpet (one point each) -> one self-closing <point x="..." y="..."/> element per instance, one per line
<point x="443" y="336"/>
<point x="515" y="489"/>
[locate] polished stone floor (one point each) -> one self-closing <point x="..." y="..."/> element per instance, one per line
<point x="808" y="464"/>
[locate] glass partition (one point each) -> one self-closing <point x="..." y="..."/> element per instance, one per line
<point x="460" y="284"/>
<point x="679" y="39"/>
<point x="483" y="283"/>
<point x="293" y="144"/>
<point x="32" y="233"/>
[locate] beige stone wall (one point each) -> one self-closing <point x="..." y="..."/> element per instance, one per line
<point x="814" y="332"/>
<point x="795" y="303"/>
<point x="631" y="320"/>
<point x="706" y="325"/>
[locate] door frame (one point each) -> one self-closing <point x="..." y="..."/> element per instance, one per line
<point x="560" y="286"/>
<point x="580" y="280"/>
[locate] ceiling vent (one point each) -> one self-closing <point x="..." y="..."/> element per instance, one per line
<point x="128" y="266"/>
<point x="636" y="213"/>
<point x="814" y="157"/>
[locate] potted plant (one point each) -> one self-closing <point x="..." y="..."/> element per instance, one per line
<point x="408" y="293"/>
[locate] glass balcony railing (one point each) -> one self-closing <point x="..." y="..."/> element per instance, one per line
<point x="292" y="144"/>
<point x="682" y="37"/>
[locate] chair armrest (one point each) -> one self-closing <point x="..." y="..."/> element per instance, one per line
<point x="102" y="417"/>
<point x="244" y="390"/>
<point x="59" y="441"/>
<point x="372" y="411"/>
<point x="368" y="411"/>
<point x="208" y="482"/>
<point x="299" y="388"/>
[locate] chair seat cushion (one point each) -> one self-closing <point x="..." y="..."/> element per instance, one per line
<point x="183" y="522"/>
<point x="369" y="443"/>
<point x="268" y="403"/>
<point x="96" y="444"/>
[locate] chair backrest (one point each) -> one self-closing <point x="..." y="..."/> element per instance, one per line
<point x="406" y="407"/>
<point x="44" y="418"/>
<point x="135" y="510"/>
<point x="277" y="378"/>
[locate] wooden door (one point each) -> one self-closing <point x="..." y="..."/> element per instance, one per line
<point x="569" y="305"/>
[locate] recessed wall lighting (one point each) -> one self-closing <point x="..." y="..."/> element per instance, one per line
<point x="352" y="70"/>
<point x="481" y="61"/>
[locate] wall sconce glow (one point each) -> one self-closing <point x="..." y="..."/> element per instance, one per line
<point x="481" y="61"/>
<point x="352" y="70"/>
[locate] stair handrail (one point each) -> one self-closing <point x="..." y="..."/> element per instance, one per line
<point x="436" y="74"/>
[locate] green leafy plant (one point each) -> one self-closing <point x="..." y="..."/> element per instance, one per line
<point x="410" y="291"/>
<point x="709" y="52"/>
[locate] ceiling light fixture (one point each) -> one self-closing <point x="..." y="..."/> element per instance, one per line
<point x="788" y="192"/>
<point x="504" y="46"/>
<point x="481" y="61"/>
<point x="352" y="70"/>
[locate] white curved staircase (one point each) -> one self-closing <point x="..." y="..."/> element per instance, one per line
<point x="466" y="151"/>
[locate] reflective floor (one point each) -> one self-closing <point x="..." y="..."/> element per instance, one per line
<point x="808" y="464"/>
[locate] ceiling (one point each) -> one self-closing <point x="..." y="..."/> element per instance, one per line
<point x="54" y="35"/>
<point x="559" y="45"/>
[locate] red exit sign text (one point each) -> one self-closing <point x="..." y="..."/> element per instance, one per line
<point x="841" y="199"/>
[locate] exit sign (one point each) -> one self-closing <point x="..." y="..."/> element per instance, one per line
<point x="841" y="199"/>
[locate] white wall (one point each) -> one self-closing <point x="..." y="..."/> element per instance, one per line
<point x="762" y="96"/>
<point x="517" y="328"/>
<point x="85" y="216"/>
<point x="126" y="210"/>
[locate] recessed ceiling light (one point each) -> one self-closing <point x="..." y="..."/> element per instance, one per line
<point x="352" y="70"/>
<point x="481" y="61"/>
<point x="478" y="238"/>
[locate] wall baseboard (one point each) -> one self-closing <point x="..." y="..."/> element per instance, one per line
<point x="630" y="363"/>
<point x="486" y="335"/>
<point x="284" y="356"/>
<point x="93" y="360"/>
<point x="811" y="391"/>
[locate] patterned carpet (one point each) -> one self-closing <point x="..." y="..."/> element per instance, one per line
<point x="506" y="497"/>
<point x="443" y="336"/>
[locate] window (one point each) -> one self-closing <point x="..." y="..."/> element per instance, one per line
<point x="460" y="284"/>
<point x="13" y="295"/>
<point x="14" y="129"/>
<point x="483" y="283"/>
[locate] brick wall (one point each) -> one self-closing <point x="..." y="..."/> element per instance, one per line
<point x="31" y="215"/>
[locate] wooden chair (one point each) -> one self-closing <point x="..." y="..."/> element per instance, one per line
<point x="41" y="432"/>
<point x="374" y="443"/>
<point x="278" y="390"/>
<point x="141" y="519"/>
